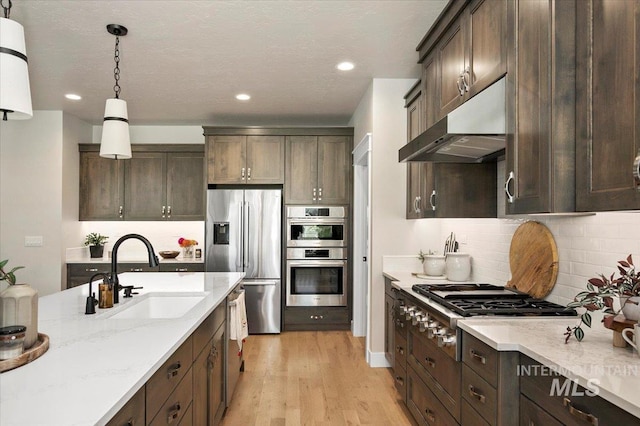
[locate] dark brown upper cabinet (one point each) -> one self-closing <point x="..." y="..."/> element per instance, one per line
<point x="159" y="182"/>
<point x="471" y="52"/>
<point x="540" y="148"/>
<point x="245" y="159"/>
<point x="318" y="169"/>
<point x="416" y="198"/>
<point x="608" y="106"/>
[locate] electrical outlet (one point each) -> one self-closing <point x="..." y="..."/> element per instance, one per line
<point x="33" y="241"/>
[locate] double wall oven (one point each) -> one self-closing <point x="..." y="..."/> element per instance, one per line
<point x="316" y="256"/>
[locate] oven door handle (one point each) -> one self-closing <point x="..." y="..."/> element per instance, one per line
<point x="315" y="263"/>
<point x="259" y="283"/>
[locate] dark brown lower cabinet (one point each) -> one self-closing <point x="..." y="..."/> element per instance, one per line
<point x="132" y="413"/>
<point x="424" y="405"/>
<point x="80" y="273"/>
<point x="208" y="383"/>
<point x="316" y="318"/>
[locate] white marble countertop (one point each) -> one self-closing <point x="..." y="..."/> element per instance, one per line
<point x="95" y="364"/>
<point x="107" y="261"/>
<point x="594" y="361"/>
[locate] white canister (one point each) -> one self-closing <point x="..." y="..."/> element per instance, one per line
<point x="434" y="265"/>
<point x="458" y="266"/>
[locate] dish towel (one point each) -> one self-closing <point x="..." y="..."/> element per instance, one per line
<point x="239" y="328"/>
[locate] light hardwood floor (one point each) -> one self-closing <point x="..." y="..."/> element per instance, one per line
<point x="313" y="378"/>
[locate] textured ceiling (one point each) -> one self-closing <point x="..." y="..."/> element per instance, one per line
<point x="184" y="61"/>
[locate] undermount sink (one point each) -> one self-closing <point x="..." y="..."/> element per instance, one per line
<point x="159" y="306"/>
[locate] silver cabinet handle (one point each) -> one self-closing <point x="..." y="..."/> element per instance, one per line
<point x="510" y="197"/>
<point x="477" y="395"/>
<point x="173" y="370"/>
<point x="319" y="194"/>
<point x="432" y="200"/>
<point x="636" y="171"/>
<point x="136" y="270"/>
<point x="460" y="84"/>
<point x="466" y="83"/>
<point x="164" y="210"/>
<point x="168" y="211"/>
<point x="91" y="269"/>
<point x="174" y="413"/>
<point x="120" y="212"/>
<point x="242" y="173"/>
<point x="249" y="173"/>
<point x="478" y="356"/>
<point x="430" y="415"/>
<point x="182" y="269"/>
<point x="314" y="194"/>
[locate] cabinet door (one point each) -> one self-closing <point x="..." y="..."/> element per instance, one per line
<point x="265" y="159"/>
<point x="414" y="200"/>
<point x="334" y="169"/>
<point x="608" y="111"/>
<point x="452" y="61"/>
<point x="465" y="190"/>
<point x="301" y="169"/>
<point x="430" y="92"/>
<point x="201" y="387"/>
<point x="185" y="186"/>
<point x="226" y="159"/>
<point x="389" y="328"/>
<point x="540" y="154"/>
<point x="486" y="23"/>
<point x="132" y="413"/>
<point x="101" y="187"/>
<point x="216" y="401"/>
<point x="146" y="186"/>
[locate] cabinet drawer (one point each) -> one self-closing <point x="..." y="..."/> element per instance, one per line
<point x="481" y="358"/>
<point x="176" y="406"/>
<point x="566" y="401"/>
<point x="479" y="394"/>
<point x="439" y="371"/>
<point x="470" y="417"/>
<point x="532" y="415"/>
<point x="400" y="350"/>
<point x="164" y="381"/>
<point x="182" y="267"/>
<point x="132" y="414"/>
<point x="207" y="329"/>
<point x="424" y="405"/>
<point x="316" y="318"/>
<point x="400" y="379"/>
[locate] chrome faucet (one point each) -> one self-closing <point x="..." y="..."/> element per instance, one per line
<point x="113" y="279"/>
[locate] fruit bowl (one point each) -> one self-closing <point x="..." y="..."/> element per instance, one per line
<point x="171" y="254"/>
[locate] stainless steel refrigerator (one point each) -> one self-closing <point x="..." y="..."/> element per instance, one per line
<point x="243" y="234"/>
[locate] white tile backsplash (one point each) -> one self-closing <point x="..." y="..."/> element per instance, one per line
<point x="587" y="246"/>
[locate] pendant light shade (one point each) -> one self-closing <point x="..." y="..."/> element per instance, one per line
<point x="115" y="131"/>
<point x="15" y="93"/>
<point x="115" y="141"/>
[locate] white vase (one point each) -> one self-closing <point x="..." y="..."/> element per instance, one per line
<point x="458" y="266"/>
<point x="19" y="306"/>
<point x="631" y="307"/>
<point x="433" y="265"/>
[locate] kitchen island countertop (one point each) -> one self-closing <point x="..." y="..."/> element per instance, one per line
<point x="95" y="363"/>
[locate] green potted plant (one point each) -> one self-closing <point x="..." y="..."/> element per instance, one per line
<point x="95" y="242"/>
<point x="22" y="295"/>
<point x="432" y="264"/>
<point x="600" y="295"/>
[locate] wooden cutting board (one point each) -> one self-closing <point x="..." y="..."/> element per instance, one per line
<point x="533" y="258"/>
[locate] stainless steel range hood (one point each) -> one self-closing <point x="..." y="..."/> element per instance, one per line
<point x="472" y="133"/>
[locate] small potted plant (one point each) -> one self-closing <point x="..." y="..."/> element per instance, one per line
<point x="187" y="247"/>
<point x="95" y="242"/>
<point x="22" y="295"/>
<point x="601" y="294"/>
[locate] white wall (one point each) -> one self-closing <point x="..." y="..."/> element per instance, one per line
<point x="381" y="112"/>
<point x="159" y="134"/>
<point x="31" y="169"/>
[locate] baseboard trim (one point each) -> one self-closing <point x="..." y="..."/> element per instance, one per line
<point x="377" y="360"/>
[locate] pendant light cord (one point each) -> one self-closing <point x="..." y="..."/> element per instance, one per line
<point x="116" y="70"/>
<point x="7" y="9"/>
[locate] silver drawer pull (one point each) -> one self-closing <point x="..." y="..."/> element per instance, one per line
<point x="431" y="362"/>
<point x="400" y="380"/>
<point x="636" y="171"/>
<point x="136" y="269"/>
<point x="173" y="370"/>
<point x="182" y="269"/>
<point x="400" y="350"/>
<point x="478" y="356"/>
<point x="589" y="418"/>
<point x="430" y="415"/>
<point x="91" y="270"/>
<point x="174" y="413"/>
<point x="475" y="394"/>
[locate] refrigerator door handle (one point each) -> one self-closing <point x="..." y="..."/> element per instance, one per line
<point x="239" y="251"/>
<point x="247" y="256"/>
<point x="258" y="283"/>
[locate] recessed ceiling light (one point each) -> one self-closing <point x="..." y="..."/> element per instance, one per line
<point x="243" y="97"/>
<point x="345" y="66"/>
<point x="73" y="96"/>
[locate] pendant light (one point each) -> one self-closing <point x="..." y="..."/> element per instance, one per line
<point x="15" y="93"/>
<point x="115" y="128"/>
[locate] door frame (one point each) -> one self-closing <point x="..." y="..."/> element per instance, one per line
<point x="361" y="237"/>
